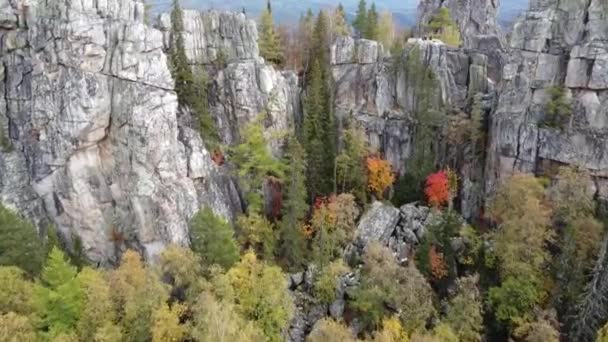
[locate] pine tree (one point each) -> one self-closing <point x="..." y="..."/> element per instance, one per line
<point x="269" y="40"/>
<point x="360" y="22"/>
<point x="371" y="26"/>
<point x="19" y="243"/>
<point x="295" y="207"/>
<point x="191" y="89"/>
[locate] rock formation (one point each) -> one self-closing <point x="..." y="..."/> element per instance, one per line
<point x="90" y="137"/>
<point x="556" y="44"/>
<point x="377" y="92"/>
<point x="242" y="86"/>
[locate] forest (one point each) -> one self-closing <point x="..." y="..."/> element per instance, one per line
<point x="528" y="267"/>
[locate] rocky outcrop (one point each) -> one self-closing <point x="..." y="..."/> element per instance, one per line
<point x="563" y="44"/>
<point x="94" y="146"/>
<point x="399" y="229"/>
<point x="478" y="25"/>
<point x="242" y="85"/>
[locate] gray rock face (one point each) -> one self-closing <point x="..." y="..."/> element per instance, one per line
<point x="212" y="35"/>
<point x="87" y="102"/>
<point x="478" y="25"/>
<point x="377" y="224"/>
<point x="553" y="45"/>
<point x="242" y="85"/>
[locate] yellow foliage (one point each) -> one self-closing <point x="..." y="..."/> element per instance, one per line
<point x="392" y="331"/>
<point x="166" y="326"/>
<point x="380" y="175"/>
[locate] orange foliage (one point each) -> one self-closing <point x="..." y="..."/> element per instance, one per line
<point x="218" y="157"/>
<point x="437" y="189"/>
<point x="380" y="175"/>
<point x="439" y="269"/>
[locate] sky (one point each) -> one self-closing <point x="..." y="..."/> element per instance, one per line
<point x="288" y="11"/>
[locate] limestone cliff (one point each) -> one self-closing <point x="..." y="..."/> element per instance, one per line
<point x="91" y="140"/>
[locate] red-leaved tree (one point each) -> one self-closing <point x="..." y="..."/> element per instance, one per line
<point x="437" y="189"/>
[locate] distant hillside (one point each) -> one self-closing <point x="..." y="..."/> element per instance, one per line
<point x="288" y="11"/>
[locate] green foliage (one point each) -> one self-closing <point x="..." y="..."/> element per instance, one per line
<point x="408" y="189"/>
<point x="427" y="112"/>
<point x="439" y="235"/>
<point x="191" y="89"/>
<point x="371" y="27"/>
<point x="59" y="299"/>
<point x="519" y="208"/>
<point x="333" y="226"/>
<point x="19" y="243"/>
<point x="360" y="22"/>
<point x="464" y="313"/>
<point x="293" y="241"/>
<point x="262" y="295"/>
<point x="319" y="131"/>
<point x="558" y="108"/>
<point x="218" y="321"/>
<point x="5" y="143"/>
<point x="442" y="27"/>
<point x="327" y="281"/>
<point x="269" y="40"/>
<point x="351" y="175"/>
<point x="256" y="232"/>
<point x="212" y="238"/>
<point x="386" y="284"/>
<point x="514" y="299"/>
<point x="255" y="164"/>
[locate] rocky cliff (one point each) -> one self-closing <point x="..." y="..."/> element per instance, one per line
<point x="378" y="93"/>
<point x="88" y="123"/>
<point x="556" y="44"/>
<point x="243" y="86"/>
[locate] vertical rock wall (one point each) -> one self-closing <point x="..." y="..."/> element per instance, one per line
<point x="87" y="102"/>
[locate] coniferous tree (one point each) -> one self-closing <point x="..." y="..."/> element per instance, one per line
<point x="371" y="26"/>
<point x="269" y="41"/>
<point x="295" y="207"/>
<point x="360" y="22"/>
<point x="213" y="239"/>
<point x="319" y="137"/>
<point x="19" y="243"/>
<point x="59" y="301"/>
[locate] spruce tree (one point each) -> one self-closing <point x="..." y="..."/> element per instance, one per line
<point x="212" y="238"/>
<point x="269" y="40"/>
<point x="19" y="243"/>
<point x="360" y="22"/>
<point x="319" y="137"/>
<point x="371" y="26"/>
<point x="294" y="208"/>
